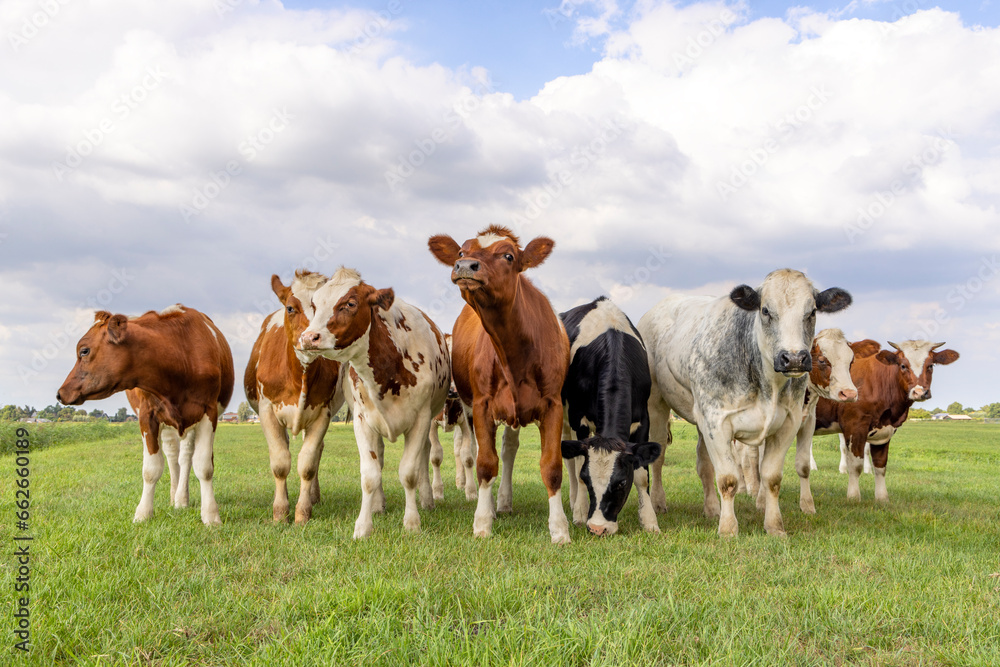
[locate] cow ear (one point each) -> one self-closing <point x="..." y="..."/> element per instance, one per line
<point x="865" y="348"/>
<point x="444" y="248"/>
<point x="382" y="298"/>
<point x="887" y="357"/>
<point x="833" y="299"/>
<point x="279" y="288"/>
<point x="945" y="357"/>
<point x="536" y="252"/>
<point x="646" y="452"/>
<point x="101" y="316"/>
<point x="572" y="449"/>
<point x="745" y="297"/>
<point x="117" y="329"/>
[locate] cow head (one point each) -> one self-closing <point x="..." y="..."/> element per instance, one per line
<point x="786" y="305"/>
<point x="103" y="361"/>
<point x="486" y="267"/>
<point x="297" y="300"/>
<point x="916" y="359"/>
<point x="832" y="357"/>
<point x="344" y="307"/>
<point x="608" y="468"/>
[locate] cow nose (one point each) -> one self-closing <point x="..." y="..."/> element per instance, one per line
<point x="467" y="265"/>
<point x="793" y="361"/>
<point x="59" y="397"/>
<point x="597" y="530"/>
<point x="847" y="395"/>
<point x="309" y="339"/>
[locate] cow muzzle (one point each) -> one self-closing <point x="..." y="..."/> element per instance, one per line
<point x="310" y="340"/>
<point x="794" y="364"/>
<point x="466" y="270"/>
<point x="918" y="393"/>
<point x="603" y="529"/>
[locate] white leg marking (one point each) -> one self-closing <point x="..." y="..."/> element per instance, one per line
<point x="152" y="469"/>
<point x="204" y="470"/>
<point x="558" y="525"/>
<point x="482" y="524"/>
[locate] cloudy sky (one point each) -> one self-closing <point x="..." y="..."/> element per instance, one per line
<point x="162" y="152"/>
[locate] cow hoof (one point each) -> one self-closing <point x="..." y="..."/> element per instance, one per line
<point x="362" y="529"/>
<point x="712" y="512"/>
<point x="314" y="495"/>
<point x="561" y="539"/>
<point x="142" y="513"/>
<point x="729" y="528"/>
<point x="180" y="502"/>
<point x="439" y="494"/>
<point x="807" y="506"/>
<point x="427" y="502"/>
<point x="280" y="513"/>
<point x="411" y="524"/>
<point x="883" y="500"/>
<point x="471" y="494"/>
<point x="302" y="516"/>
<point x="776" y="531"/>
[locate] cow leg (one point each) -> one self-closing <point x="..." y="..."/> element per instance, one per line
<point x="416" y="451"/>
<point x="308" y="465"/>
<point x="378" y="504"/>
<point x="718" y="455"/>
<point x="184" y="459"/>
<point x="280" y="458"/>
<point x="879" y="459"/>
<point x="203" y="462"/>
<point x="468" y="454"/>
<point x="659" y="431"/>
<point x="771" y="466"/>
<point x="487" y="467"/>
<point x="843" y="454"/>
<point x="171" y="443"/>
<point x="739" y="452"/>
<point x="423" y="476"/>
<point x="751" y="468"/>
<point x="371" y="477"/>
<point x="459" y="463"/>
<point x="854" y="467"/>
<point x="647" y="515"/>
<point x="804" y="462"/>
<point x="550" y="430"/>
<point x="314" y="487"/>
<point x="437" y="458"/>
<point x="508" y="452"/>
<point x="152" y="469"/>
<point x="706" y="472"/>
<point x="868" y="458"/>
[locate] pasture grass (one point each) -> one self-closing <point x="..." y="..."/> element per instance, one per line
<point x="914" y="582"/>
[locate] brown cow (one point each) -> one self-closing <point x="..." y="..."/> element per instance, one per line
<point x="290" y="395"/>
<point x="177" y="371"/>
<point x="888" y="384"/>
<point x="511" y="354"/>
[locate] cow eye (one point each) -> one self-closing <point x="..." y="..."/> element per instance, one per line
<point x="84" y="351"/>
<point x="765" y="312"/>
<point x="509" y="257"/>
<point x="813" y="313"/>
<point x="904" y="367"/>
<point x="290" y="310"/>
<point x="461" y="254"/>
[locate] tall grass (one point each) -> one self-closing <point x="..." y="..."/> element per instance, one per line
<point x="44" y="436"/>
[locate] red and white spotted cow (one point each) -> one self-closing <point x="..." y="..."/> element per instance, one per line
<point x="454" y="418"/>
<point x="511" y="354"/>
<point x="177" y="371"/>
<point x="398" y="381"/>
<point x="829" y="378"/>
<point x="290" y="395"/>
<point x="888" y="384"/>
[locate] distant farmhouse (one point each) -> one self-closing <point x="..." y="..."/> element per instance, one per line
<point x="944" y="416"/>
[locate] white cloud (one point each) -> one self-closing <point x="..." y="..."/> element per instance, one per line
<point x="705" y="149"/>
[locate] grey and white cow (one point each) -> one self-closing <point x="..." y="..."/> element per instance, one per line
<point x="736" y="367"/>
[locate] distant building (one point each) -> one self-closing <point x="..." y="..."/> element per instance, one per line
<point x="35" y="420"/>
<point x="944" y="416"/>
<point x="229" y="417"/>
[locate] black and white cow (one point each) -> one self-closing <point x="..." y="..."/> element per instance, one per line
<point x="736" y="366"/>
<point x="606" y="393"/>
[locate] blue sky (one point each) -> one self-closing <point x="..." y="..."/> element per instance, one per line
<point x="865" y="153"/>
<point x="525" y="44"/>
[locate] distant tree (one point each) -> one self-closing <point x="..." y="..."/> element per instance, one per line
<point x="120" y="415"/>
<point x="955" y="408"/>
<point x="243" y="412"/>
<point x="917" y="413"/>
<point x="98" y="414"/>
<point x="936" y="411"/>
<point x="66" y="414"/>
<point x="992" y="410"/>
<point x="81" y="413"/>
<point x="50" y="412"/>
<point x="10" y="413"/>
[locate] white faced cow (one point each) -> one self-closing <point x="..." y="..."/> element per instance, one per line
<point x="399" y="377"/>
<point x="830" y="378"/>
<point x="606" y="394"/>
<point x="454" y="417"/>
<point x="292" y="396"/>
<point x="735" y="366"/>
<point x="176" y="370"/>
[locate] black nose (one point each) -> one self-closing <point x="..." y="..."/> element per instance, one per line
<point x="467" y="265"/>
<point x="793" y="362"/>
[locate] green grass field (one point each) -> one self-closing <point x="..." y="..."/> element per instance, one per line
<point x="912" y="583"/>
